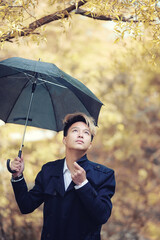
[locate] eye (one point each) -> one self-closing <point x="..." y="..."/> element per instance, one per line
<point x="74" y="130"/>
<point x="86" y="132"/>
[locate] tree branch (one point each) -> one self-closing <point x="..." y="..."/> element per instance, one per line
<point x="104" y="18"/>
<point x="55" y="16"/>
<point x="42" y="21"/>
<point x="61" y="15"/>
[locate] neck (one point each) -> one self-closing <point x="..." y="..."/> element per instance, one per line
<point x="73" y="156"/>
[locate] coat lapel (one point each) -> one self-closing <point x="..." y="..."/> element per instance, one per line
<point x="56" y="181"/>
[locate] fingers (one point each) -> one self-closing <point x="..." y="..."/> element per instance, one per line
<point x="76" y="174"/>
<point x="76" y="178"/>
<point x="17" y="164"/>
<point x="77" y="166"/>
<point x="19" y="159"/>
<point x="78" y="170"/>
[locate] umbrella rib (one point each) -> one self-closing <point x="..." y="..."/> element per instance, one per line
<point x="27" y="75"/>
<point x="45" y="81"/>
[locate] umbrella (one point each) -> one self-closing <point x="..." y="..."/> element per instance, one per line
<point x="39" y="94"/>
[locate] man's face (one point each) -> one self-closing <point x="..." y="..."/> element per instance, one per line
<point x="78" y="137"/>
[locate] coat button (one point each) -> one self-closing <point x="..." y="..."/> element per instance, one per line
<point x="48" y="235"/>
<point x="98" y="167"/>
<point x="54" y="193"/>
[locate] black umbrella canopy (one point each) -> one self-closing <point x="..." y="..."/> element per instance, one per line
<point x="54" y="94"/>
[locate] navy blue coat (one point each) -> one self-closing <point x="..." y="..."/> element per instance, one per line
<point x="74" y="214"/>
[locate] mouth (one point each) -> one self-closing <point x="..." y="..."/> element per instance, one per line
<point x="79" y="141"/>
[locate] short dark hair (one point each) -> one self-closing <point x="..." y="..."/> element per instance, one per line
<point x="78" y="117"/>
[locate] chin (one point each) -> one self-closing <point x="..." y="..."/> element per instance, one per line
<point x="80" y="148"/>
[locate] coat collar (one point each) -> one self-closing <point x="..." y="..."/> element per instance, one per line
<point x="82" y="159"/>
<point x="57" y="169"/>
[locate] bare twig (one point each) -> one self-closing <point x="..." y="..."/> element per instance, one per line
<point x="104" y="18"/>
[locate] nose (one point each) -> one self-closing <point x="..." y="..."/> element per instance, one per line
<point x="80" y="134"/>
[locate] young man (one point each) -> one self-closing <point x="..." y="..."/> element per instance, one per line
<point x="75" y="191"/>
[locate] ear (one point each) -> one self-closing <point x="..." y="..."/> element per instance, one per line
<point x="64" y="140"/>
<point x="90" y="145"/>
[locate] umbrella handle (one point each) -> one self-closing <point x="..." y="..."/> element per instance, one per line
<point x="8" y="162"/>
<point x="8" y="167"/>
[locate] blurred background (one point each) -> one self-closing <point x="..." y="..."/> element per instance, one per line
<point x="125" y="76"/>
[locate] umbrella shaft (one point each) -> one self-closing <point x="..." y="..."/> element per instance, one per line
<point x="26" y="122"/>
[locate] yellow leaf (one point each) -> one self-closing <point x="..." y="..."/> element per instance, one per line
<point x="2" y="7"/>
<point x="117" y="40"/>
<point x="117" y="17"/>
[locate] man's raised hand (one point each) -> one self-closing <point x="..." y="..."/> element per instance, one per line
<point x="79" y="174"/>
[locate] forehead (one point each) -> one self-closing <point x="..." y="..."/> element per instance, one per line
<point x="80" y="125"/>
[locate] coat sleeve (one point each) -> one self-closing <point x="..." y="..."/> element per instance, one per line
<point x="97" y="200"/>
<point x="28" y="201"/>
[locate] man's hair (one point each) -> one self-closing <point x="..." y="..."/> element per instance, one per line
<point x="79" y="117"/>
